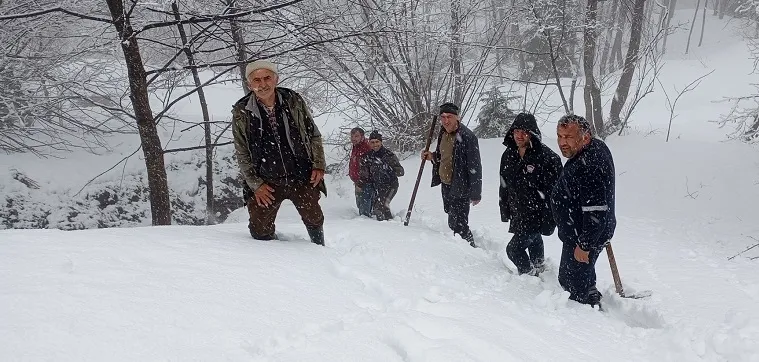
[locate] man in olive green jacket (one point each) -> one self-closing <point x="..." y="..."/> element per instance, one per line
<point x="280" y="153"/>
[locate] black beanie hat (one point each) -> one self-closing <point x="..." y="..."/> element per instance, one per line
<point x="449" y="108"/>
<point x="375" y="136"/>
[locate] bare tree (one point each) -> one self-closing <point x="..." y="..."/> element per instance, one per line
<point x="672" y="103"/>
<point x="692" y="25"/>
<point x="401" y="67"/>
<point x="210" y="217"/>
<point x="615" y="22"/>
<point x="631" y="60"/>
<point x="703" y="23"/>
<point x="592" y="93"/>
<point x="135" y="22"/>
<point x="58" y="91"/>
<point x="668" y="15"/>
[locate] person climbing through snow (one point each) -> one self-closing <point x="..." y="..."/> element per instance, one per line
<point x="529" y="170"/>
<point x="583" y="204"/>
<point x="457" y="167"/>
<point x="380" y="169"/>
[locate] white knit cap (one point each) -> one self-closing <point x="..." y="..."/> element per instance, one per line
<point x="260" y="64"/>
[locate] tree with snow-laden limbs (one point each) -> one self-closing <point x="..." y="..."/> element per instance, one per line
<point x="156" y="60"/>
<point x="495" y="117"/>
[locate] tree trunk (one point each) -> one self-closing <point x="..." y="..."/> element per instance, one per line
<point x="210" y="214"/>
<point x="456" y="57"/>
<point x="493" y="25"/>
<point x="608" y="39"/>
<point x="722" y="6"/>
<point x="703" y="23"/>
<point x="616" y="50"/>
<point x="572" y="89"/>
<point x="716" y="6"/>
<point x="692" y="24"/>
<point x="623" y="87"/>
<point x="593" y="109"/>
<point x="160" y="207"/>
<point x="553" y="56"/>
<point x="515" y="40"/>
<point x="239" y="39"/>
<point x="650" y="10"/>
<point x="670" y="15"/>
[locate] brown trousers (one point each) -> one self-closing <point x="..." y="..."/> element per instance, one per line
<point x="303" y="196"/>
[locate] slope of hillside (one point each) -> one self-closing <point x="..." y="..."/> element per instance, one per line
<point x="380" y="291"/>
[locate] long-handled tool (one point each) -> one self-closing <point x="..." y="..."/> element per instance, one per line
<point x="618" y="280"/>
<point x="421" y="171"/>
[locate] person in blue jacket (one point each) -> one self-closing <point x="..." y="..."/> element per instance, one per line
<point x="583" y="207"/>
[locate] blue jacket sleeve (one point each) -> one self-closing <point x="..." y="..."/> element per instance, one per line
<point x="595" y="210"/>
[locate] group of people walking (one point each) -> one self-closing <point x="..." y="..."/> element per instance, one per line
<point x="280" y="153"/>
<point x="374" y="171"/>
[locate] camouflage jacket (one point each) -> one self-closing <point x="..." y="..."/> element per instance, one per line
<point x="246" y="119"/>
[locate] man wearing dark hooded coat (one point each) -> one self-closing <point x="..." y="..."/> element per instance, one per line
<point x="529" y="170"/>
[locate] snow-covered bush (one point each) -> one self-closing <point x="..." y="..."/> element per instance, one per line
<point x="123" y="202"/>
<point x="495" y="117"/>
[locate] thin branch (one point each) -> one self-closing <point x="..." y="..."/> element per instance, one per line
<point x="54" y="10"/>
<point x="257" y="56"/>
<point x="106" y="171"/>
<point x="196" y="147"/>
<point x="749" y="248"/>
<point x="207" y="18"/>
<point x="693" y="85"/>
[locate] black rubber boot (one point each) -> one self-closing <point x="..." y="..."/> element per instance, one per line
<point x="316" y="235"/>
<point x="468" y="236"/>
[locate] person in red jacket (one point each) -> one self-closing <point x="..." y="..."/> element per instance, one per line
<point x="360" y="148"/>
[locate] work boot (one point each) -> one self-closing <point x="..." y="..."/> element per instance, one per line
<point x="316" y="235"/>
<point x="272" y="236"/>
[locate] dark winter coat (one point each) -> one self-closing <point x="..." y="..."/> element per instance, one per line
<point x="301" y="143"/>
<point x="527" y="182"/>
<point x="583" y="199"/>
<point x="467" y="167"/>
<point x="381" y="169"/>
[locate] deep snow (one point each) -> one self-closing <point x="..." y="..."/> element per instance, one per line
<point x="380" y="291"/>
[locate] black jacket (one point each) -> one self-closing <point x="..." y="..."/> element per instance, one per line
<point x="380" y="168"/>
<point x="527" y="183"/>
<point x="583" y="199"/>
<point x="467" y="167"/>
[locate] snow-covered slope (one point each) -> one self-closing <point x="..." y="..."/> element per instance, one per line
<point x="380" y="291"/>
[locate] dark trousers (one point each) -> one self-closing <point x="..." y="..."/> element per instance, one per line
<point x="306" y="200"/>
<point x="518" y="247"/>
<point x="364" y="198"/>
<point x="458" y="214"/>
<point x="381" y="203"/>
<point x="579" y="279"/>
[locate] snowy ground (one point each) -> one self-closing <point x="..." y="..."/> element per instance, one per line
<point x="380" y="291"/>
